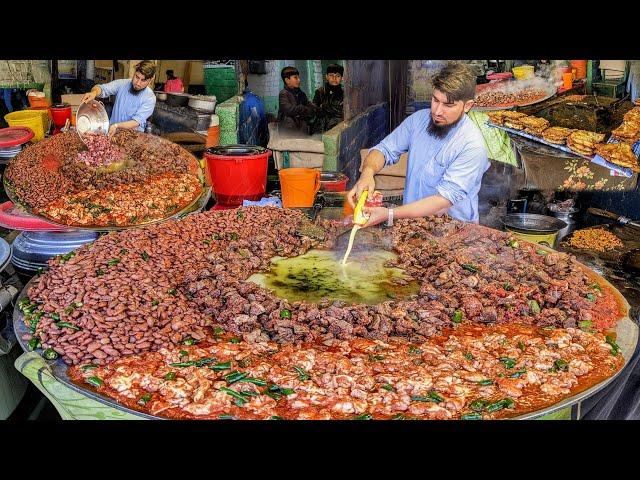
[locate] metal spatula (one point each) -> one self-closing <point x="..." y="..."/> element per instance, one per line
<point x="613" y="216"/>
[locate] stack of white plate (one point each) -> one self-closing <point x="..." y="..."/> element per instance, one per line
<point x="8" y="153"/>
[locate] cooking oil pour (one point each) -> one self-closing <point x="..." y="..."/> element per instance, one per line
<point x="320" y="274"/>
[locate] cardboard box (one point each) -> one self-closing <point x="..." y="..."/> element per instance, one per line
<point x="73" y="99"/>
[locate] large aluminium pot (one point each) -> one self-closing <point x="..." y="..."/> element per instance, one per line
<point x="203" y="103"/>
<point x="178" y="99"/>
<point x="534" y="228"/>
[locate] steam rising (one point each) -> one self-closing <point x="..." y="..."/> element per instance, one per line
<point x="512" y="87"/>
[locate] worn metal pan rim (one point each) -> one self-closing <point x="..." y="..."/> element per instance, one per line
<point x="532" y="222"/>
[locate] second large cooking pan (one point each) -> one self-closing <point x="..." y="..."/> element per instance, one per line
<point x="178" y="99"/>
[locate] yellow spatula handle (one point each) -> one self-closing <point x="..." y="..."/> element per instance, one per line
<point x="358" y="218"/>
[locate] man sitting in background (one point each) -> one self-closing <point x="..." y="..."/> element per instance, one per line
<point x="294" y="109"/>
<point x="329" y="100"/>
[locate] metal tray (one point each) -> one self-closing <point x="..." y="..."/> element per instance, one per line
<point x="206" y="193"/>
<point x="597" y="159"/>
<point x="626" y="337"/>
<point x="489" y="109"/>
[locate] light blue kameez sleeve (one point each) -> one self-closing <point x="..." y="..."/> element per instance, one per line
<point x="464" y="173"/>
<point x="111" y="88"/>
<point x="145" y="110"/>
<point x="397" y="142"/>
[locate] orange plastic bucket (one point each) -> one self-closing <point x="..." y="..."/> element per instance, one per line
<point x="567" y="80"/>
<point x="581" y="68"/>
<point x="299" y="186"/>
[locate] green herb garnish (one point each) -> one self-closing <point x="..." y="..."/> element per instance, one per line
<point x="560" y="365"/>
<point x="535" y="307"/>
<point x="508" y="362"/>
<point x="50" y="354"/>
<point x="471" y="416"/>
<point x="364" y="416"/>
<point x="95" y="381"/>
<point x="615" y="348"/>
<point x="430" y="397"/>
<point x="302" y="374"/>
<point x="221" y="366"/>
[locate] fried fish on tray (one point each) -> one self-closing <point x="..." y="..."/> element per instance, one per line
<point x="632" y="115"/>
<point x="511" y="114"/>
<point x="619" y="154"/>
<point x="534" y="123"/>
<point x="513" y="124"/>
<point x="581" y="149"/>
<point x="497" y="117"/>
<point x="557" y="135"/>
<point x="629" y="132"/>
<point x="586" y="138"/>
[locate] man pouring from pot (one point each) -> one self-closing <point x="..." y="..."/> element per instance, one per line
<point x="446" y="160"/>
<point x="135" y="101"/>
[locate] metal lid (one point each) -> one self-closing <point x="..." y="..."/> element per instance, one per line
<point x="92" y="118"/>
<point x="12" y="136"/>
<point x="532" y="222"/>
<point x="5" y="254"/>
<point x="236" y="150"/>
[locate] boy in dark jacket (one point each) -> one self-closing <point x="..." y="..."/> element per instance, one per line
<point x="294" y="110"/>
<point x="329" y="100"/>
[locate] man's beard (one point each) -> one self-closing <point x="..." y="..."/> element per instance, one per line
<point x="133" y="90"/>
<point x="441" y="131"/>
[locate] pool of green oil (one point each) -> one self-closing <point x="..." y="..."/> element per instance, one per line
<point x="319" y="274"/>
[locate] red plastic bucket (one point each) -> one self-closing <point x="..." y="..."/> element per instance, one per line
<point x="60" y="113"/>
<point x="333" y="181"/>
<point x="237" y="173"/>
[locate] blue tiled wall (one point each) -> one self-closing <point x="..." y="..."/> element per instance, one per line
<point x="363" y="131"/>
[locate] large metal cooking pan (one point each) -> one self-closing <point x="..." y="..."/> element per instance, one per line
<point x="509" y="107"/>
<point x="626" y="337"/>
<point x="9" y="189"/>
<point x="178" y="99"/>
<point x="203" y="103"/>
<point x="533" y="223"/>
<point x="206" y="191"/>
